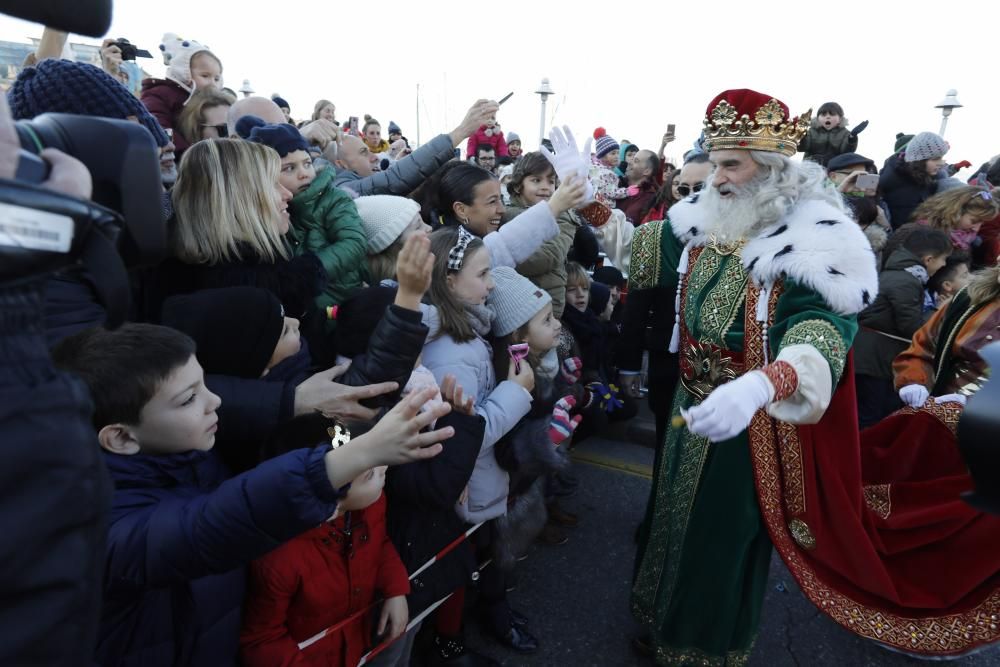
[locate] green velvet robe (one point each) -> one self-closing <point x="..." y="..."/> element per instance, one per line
<point x="704" y="551"/>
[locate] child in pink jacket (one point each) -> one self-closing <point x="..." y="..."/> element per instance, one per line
<point x="488" y="134"/>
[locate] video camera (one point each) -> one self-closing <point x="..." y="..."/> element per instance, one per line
<point x="121" y="227"/>
<point x="130" y="51"/>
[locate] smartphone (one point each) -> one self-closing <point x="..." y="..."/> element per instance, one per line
<point x="670" y="128"/>
<point x="352" y="124"/>
<point x="505" y="98"/>
<point x="867" y="181"/>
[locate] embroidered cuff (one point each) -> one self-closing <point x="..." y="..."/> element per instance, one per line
<point x="783" y="378"/>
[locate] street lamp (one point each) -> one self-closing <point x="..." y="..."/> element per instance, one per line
<point x="544" y="90"/>
<point x="246" y="89"/>
<point x="949" y="102"/>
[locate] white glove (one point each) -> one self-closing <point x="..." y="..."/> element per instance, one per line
<point x="914" y="395"/>
<point x="950" y="398"/>
<point x="568" y="159"/>
<point x="728" y="410"/>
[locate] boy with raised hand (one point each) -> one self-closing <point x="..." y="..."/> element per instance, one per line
<point x="181" y="533"/>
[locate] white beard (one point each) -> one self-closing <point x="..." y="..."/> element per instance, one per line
<point x="734" y="217"/>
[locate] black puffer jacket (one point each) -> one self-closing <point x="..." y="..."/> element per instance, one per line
<point x="896" y="312"/>
<point x="901" y="192"/>
<point x="421" y="516"/>
<point x="391" y="355"/>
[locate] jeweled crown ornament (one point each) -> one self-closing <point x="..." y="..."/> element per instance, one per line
<point x="744" y="119"/>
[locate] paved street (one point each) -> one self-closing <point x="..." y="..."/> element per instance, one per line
<point x="576" y="595"/>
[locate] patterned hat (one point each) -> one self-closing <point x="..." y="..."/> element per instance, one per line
<point x="605" y="142"/>
<point x="63" y="86"/>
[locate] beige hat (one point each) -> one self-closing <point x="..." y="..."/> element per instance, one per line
<point x="385" y="217"/>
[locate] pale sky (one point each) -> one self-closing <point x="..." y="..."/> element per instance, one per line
<point x="633" y="73"/>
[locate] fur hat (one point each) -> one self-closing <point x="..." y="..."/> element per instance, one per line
<point x="385" y="217"/>
<point x="283" y="138"/>
<point x="236" y="328"/>
<point x="605" y="143"/>
<point x="514" y="300"/>
<point x="177" y="56"/>
<point x="925" y="146"/>
<point x="63" y="86"/>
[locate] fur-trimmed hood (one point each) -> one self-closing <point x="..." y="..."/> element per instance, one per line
<point x="815" y="244"/>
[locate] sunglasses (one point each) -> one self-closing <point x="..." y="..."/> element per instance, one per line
<point x="223" y="129"/>
<point x="684" y="189"/>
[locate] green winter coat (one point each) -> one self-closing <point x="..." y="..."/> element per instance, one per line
<point x="547" y="266"/>
<point x="325" y="222"/>
<point x="821" y="144"/>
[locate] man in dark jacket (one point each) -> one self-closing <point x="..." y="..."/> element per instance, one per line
<point x="641" y="174"/>
<point x="181" y="533"/>
<point x="888" y="325"/>
<point x="355" y="163"/>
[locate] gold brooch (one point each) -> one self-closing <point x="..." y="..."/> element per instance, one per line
<point x="704" y="369"/>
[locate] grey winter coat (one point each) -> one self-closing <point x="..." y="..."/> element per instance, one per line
<point x="888" y="325"/>
<point x="821" y="144"/>
<point x="403" y="176"/>
<point x="503" y="405"/>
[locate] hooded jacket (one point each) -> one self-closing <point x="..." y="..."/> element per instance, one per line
<point x="316" y="580"/>
<point x="821" y="144"/>
<point x="326" y="223"/>
<point x="896" y="311"/>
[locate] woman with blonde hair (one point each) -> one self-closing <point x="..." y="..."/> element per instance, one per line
<point x="231" y="218"/>
<point x="960" y="212"/>
<point x="326" y="110"/>
<point x="204" y="116"/>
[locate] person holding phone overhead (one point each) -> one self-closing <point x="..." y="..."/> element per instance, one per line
<point x="489" y="133"/>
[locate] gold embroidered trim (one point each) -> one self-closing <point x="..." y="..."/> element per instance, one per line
<point x="723" y="301"/>
<point x="791" y="467"/>
<point x="647" y="255"/>
<point x="822" y="335"/>
<point x="878" y="500"/>
<point x="946" y="413"/>
<point x="939" y="635"/>
<point x="692" y="657"/>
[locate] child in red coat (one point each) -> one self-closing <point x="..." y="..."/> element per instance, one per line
<point x="324" y="577"/>
<point x="488" y="134"/>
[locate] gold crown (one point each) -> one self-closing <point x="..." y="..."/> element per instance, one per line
<point x="768" y="131"/>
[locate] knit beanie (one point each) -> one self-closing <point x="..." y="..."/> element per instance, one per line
<point x="600" y="294"/>
<point x="358" y="317"/>
<point x="610" y="276"/>
<point x="512" y="137"/>
<point x="925" y="146"/>
<point x="63" y="86"/>
<point x="283" y="138"/>
<point x="177" y="56"/>
<point x="605" y="143"/>
<point x="901" y="141"/>
<point x="236" y="328"/>
<point x="281" y="102"/>
<point x="393" y="128"/>
<point x="385" y="217"/>
<point x="514" y="300"/>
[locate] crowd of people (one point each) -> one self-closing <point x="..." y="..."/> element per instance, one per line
<point x="359" y="373"/>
